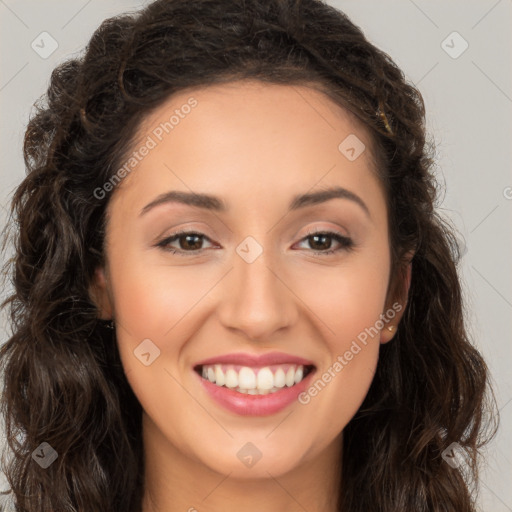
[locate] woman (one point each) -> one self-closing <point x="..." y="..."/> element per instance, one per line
<point x="232" y="288"/>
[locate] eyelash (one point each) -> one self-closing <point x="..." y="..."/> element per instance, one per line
<point x="346" y="243"/>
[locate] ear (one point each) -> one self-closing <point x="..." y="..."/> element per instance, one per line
<point x="100" y="294"/>
<point x="398" y="301"/>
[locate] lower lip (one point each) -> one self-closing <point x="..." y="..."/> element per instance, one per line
<point x="255" y="405"/>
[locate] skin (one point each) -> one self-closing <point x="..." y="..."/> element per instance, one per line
<point x="255" y="146"/>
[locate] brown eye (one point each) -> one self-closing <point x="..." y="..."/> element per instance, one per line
<point x="321" y="242"/>
<point x="188" y="241"/>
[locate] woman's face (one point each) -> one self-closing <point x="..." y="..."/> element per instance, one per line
<point x="251" y="279"/>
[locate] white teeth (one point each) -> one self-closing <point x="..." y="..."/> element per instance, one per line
<point x="247" y="378"/>
<point x="265" y="379"/>
<point x="231" y="378"/>
<point x="299" y="374"/>
<point x="219" y="376"/>
<point x="290" y="377"/>
<point x="279" y="378"/>
<point x="254" y="381"/>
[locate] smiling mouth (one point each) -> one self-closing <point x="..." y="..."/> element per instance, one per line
<point x="254" y="380"/>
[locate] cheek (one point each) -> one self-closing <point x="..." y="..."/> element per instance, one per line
<point x="346" y="298"/>
<point x="151" y="302"/>
<point x="348" y="302"/>
<point x="151" y="299"/>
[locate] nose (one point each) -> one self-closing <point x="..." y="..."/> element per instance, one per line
<point x="256" y="299"/>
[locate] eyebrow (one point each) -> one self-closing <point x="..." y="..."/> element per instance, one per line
<point x="214" y="203"/>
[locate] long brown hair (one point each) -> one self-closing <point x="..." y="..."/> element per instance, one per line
<point x="63" y="380"/>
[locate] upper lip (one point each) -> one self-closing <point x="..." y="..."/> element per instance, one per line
<point x="244" y="359"/>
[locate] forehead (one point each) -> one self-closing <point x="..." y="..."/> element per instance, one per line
<point x="250" y="108"/>
<point x="251" y="137"/>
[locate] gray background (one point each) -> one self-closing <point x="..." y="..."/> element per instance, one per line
<point x="469" y="106"/>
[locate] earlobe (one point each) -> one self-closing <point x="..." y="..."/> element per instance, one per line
<point x="387" y="333"/>
<point x="390" y="329"/>
<point x="99" y="293"/>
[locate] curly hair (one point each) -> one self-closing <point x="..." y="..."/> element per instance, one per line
<point x="63" y="380"/>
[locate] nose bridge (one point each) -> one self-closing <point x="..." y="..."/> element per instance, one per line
<point x="256" y="299"/>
